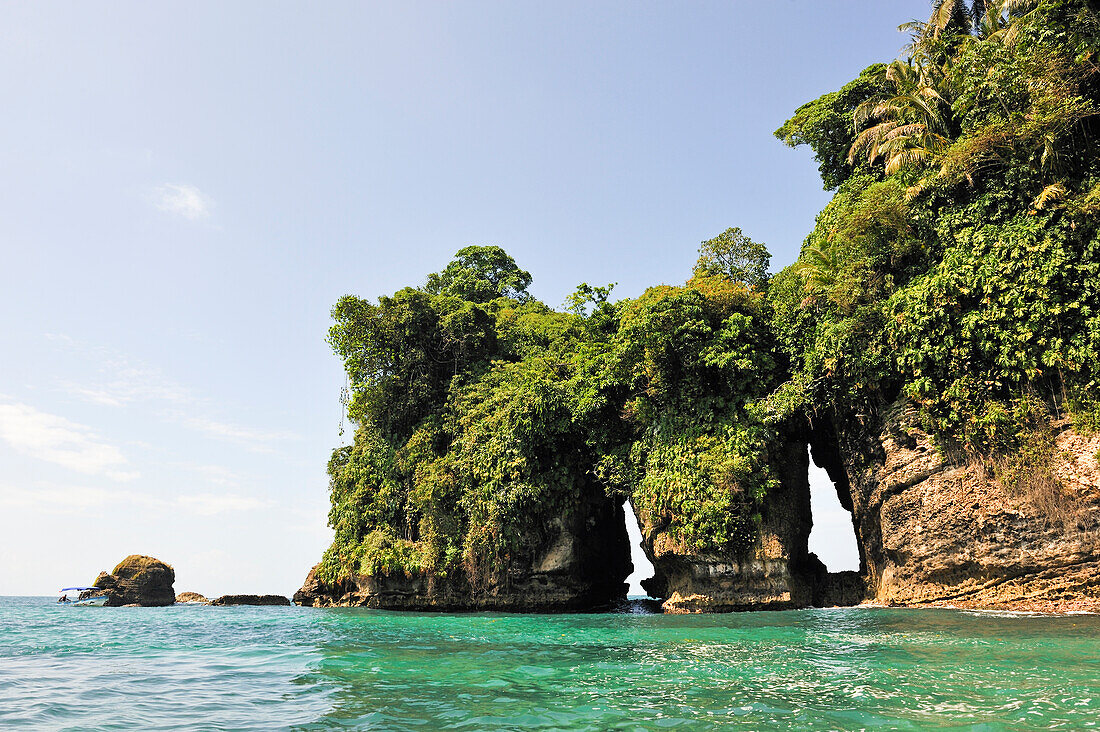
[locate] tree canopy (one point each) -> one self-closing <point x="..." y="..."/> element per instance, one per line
<point x="957" y="263"/>
<point x="482" y="413"/>
<point x="481" y="274"/>
<point x="736" y="257"/>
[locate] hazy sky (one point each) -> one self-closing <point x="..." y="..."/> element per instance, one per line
<point x="187" y="188"/>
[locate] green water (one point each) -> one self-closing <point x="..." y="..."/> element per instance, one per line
<point x="206" y="668"/>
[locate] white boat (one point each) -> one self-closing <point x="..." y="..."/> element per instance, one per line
<point x="92" y="601"/>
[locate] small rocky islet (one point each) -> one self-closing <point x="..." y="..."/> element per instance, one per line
<point x="189" y="598"/>
<point x="142" y="581"/>
<point x="136" y="580"/>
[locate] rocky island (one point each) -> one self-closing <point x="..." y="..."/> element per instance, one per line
<point x="141" y="581"/>
<point x="137" y="580"/>
<point x="192" y="598"/>
<point x="935" y="347"/>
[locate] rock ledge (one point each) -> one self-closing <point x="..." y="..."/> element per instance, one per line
<point x="251" y="600"/>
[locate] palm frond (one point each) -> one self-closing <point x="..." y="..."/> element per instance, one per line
<point x="1050" y="195"/>
<point x="942" y="11"/>
<point x="910" y="130"/>
<point x="864" y="113"/>
<point x="907" y="158"/>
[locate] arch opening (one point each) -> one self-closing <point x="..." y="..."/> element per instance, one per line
<point x="643" y="568"/>
<point x="833" y="535"/>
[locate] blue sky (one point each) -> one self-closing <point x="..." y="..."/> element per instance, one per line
<point x="187" y="188"/>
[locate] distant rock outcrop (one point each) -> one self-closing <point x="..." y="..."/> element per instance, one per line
<point x="138" y="580"/>
<point x="192" y="598"/>
<point x="251" y="600"/>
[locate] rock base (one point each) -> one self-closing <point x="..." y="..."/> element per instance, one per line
<point x="576" y="564"/>
<point x="251" y="600"/>
<point x="940" y="533"/>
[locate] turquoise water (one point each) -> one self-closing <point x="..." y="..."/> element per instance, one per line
<point x="201" y="668"/>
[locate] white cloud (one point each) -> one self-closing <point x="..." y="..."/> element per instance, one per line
<point x="121" y="380"/>
<point x="70" y="498"/>
<point x="183" y="200"/>
<point x="60" y="441"/>
<point x="207" y="504"/>
<point x="215" y="474"/>
<point x="259" y="440"/>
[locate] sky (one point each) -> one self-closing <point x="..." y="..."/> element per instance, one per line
<point x="187" y="188"/>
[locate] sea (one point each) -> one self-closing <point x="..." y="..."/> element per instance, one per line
<point x="192" y="667"/>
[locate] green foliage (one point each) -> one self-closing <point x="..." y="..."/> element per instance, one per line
<point x="736" y="257"/>
<point x="484" y="418"/>
<point x="1010" y="305"/>
<point x="383" y="553"/>
<point x="481" y="274"/>
<point x="401" y="354"/>
<point x="704" y="487"/>
<point x="1084" y="409"/>
<point x="967" y="276"/>
<point x="586" y="295"/>
<point x="694" y="359"/>
<point x="825" y="124"/>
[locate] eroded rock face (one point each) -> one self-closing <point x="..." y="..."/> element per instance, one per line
<point x="578" y="563"/>
<point x="251" y="600"/>
<point x="776" y="573"/>
<point x="935" y="532"/>
<point x="139" y="580"/>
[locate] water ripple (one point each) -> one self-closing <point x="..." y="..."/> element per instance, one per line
<point x="192" y="668"/>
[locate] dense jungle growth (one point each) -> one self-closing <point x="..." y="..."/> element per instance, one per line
<point x="482" y="413"/>
<point x="958" y="262"/>
<point x="957" y="266"/>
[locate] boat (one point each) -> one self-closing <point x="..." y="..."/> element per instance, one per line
<point x="81" y="601"/>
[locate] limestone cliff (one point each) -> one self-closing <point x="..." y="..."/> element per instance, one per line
<point x="930" y="531"/>
<point x="933" y="531"/>
<point x="580" y="562"/>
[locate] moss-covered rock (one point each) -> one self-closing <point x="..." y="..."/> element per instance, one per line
<point x="578" y="561"/>
<point x="192" y="598"/>
<point x="775" y="571"/>
<point x="139" y="580"/>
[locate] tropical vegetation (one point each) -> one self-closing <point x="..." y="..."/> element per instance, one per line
<point x="957" y="263"/>
<point x="956" y="266"/>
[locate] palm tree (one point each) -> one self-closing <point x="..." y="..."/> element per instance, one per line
<point x="954" y="15"/>
<point x="950" y="15"/>
<point x="999" y="21"/>
<point x="978" y="9"/>
<point x="909" y="128"/>
<point x="818" y="266"/>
